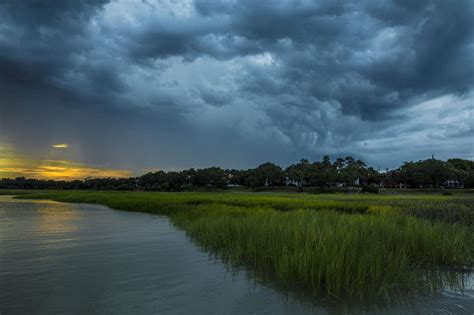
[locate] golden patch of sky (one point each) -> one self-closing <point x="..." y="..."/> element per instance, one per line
<point x="60" y="146"/>
<point x="13" y="164"/>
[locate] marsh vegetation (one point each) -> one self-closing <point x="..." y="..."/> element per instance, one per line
<point x="341" y="246"/>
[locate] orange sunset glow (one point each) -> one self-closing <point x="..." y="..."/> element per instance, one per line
<point x="13" y="164"/>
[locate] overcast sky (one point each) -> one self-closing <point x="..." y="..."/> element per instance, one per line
<point x="139" y="85"/>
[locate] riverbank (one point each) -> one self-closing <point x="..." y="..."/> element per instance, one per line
<point x="342" y="246"/>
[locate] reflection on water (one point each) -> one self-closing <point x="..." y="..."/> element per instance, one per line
<point x="54" y="220"/>
<point x="70" y="258"/>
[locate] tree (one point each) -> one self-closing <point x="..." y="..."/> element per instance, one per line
<point x="469" y="179"/>
<point x="268" y="174"/>
<point x="348" y="170"/>
<point x="323" y="173"/>
<point x="460" y="164"/>
<point x="301" y="172"/>
<point x="210" y="177"/>
<point x="428" y="173"/>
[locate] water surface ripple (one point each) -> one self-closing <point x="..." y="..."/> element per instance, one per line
<point x="88" y="259"/>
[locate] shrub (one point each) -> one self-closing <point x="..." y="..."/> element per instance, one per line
<point x="372" y="189"/>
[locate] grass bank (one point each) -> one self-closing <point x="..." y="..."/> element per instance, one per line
<point x="346" y="246"/>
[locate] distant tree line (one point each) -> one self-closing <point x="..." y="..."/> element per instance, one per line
<point x="323" y="175"/>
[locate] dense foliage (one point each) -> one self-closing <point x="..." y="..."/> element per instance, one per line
<point x="323" y="175"/>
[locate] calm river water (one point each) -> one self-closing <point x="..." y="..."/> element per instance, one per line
<point x="88" y="259"/>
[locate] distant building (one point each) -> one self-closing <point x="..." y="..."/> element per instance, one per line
<point x="232" y="185"/>
<point x="453" y="183"/>
<point x="292" y="182"/>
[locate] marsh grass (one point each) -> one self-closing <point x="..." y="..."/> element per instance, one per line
<point x="354" y="247"/>
<point x="327" y="252"/>
<point x="441" y="212"/>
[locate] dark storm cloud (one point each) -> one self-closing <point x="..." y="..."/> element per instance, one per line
<point x="38" y="42"/>
<point x="235" y="83"/>
<point x="66" y="16"/>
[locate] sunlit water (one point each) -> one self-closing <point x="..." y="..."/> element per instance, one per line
<point x="86" y="259"/>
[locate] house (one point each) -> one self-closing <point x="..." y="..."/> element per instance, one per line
<point x="453" y="183"/>
<point x="357" y="181"/>
<point x="292" y="182"/>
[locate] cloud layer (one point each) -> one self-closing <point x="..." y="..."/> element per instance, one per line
<point x="157" y="84"/>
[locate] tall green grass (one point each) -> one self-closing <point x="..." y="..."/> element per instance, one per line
<point x="344" y="246"/>
<point x="331" y="253"/>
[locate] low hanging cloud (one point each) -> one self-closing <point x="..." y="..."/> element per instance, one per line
<point x="157" y="84"/>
